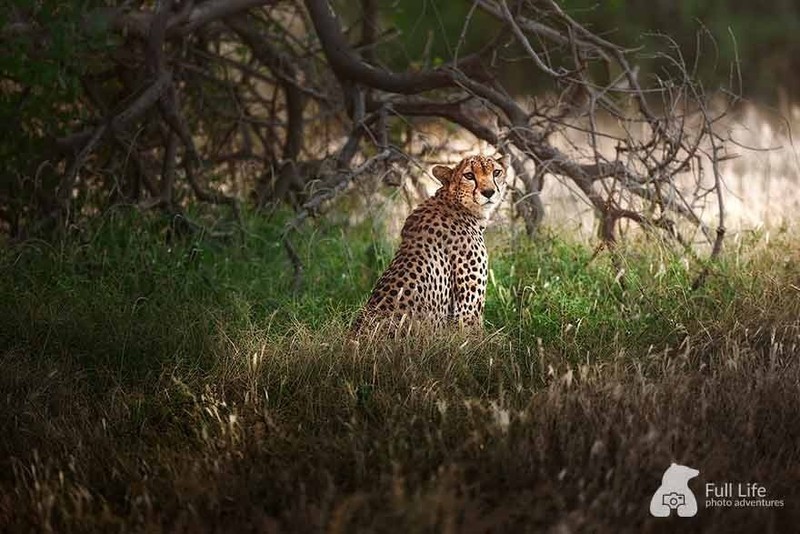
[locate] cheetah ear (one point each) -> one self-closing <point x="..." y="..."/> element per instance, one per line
<point x="504" y="160"/>
<point x="442" y="174"/>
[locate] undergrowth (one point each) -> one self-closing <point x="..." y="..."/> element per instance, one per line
<point x="158" y="382"/>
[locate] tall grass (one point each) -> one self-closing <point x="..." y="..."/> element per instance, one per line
<point x="158" y="383"/>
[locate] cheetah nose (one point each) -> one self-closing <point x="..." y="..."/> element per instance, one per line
<point x="488" y="193"/>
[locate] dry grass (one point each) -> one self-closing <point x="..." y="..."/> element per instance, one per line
<point x="268" y="424"/>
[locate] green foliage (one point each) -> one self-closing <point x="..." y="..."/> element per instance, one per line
<point x="757" y="34"/>
<point x="42" y="62"/>
<point x="130" y="297"/>
<point x="760" y="35"/>
<point x="429" y="31"/>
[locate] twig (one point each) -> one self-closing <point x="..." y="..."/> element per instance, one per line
<point x="509" y="18"/>
<point x="313" y="204"/>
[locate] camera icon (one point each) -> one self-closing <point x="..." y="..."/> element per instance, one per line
<point x="673" y="500"/>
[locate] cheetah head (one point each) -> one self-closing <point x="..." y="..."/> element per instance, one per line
<point x="477" y="182"/>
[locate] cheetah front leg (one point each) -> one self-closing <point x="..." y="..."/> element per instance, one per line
<point x="467" y="299"/>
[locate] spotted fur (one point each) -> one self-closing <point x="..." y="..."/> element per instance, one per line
<point x="439" y="273"/>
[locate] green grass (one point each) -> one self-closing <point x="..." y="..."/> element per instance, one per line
<point x="160" y="383"/>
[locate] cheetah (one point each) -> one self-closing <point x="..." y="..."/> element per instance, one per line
<point x="438" y="275"/>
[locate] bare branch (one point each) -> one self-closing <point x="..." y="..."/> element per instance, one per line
<point x="186" y="21"/>
<point x="509" y="18"/>
<point x="349" y="67"/>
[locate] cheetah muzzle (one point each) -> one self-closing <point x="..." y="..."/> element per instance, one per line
<point x="438" y="275"/>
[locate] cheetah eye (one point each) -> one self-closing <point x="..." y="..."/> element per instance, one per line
<point x="469" y="176"/>
<point x="497" y="172"/>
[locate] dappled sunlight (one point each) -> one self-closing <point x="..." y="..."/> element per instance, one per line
<point x="761" y="175"/>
